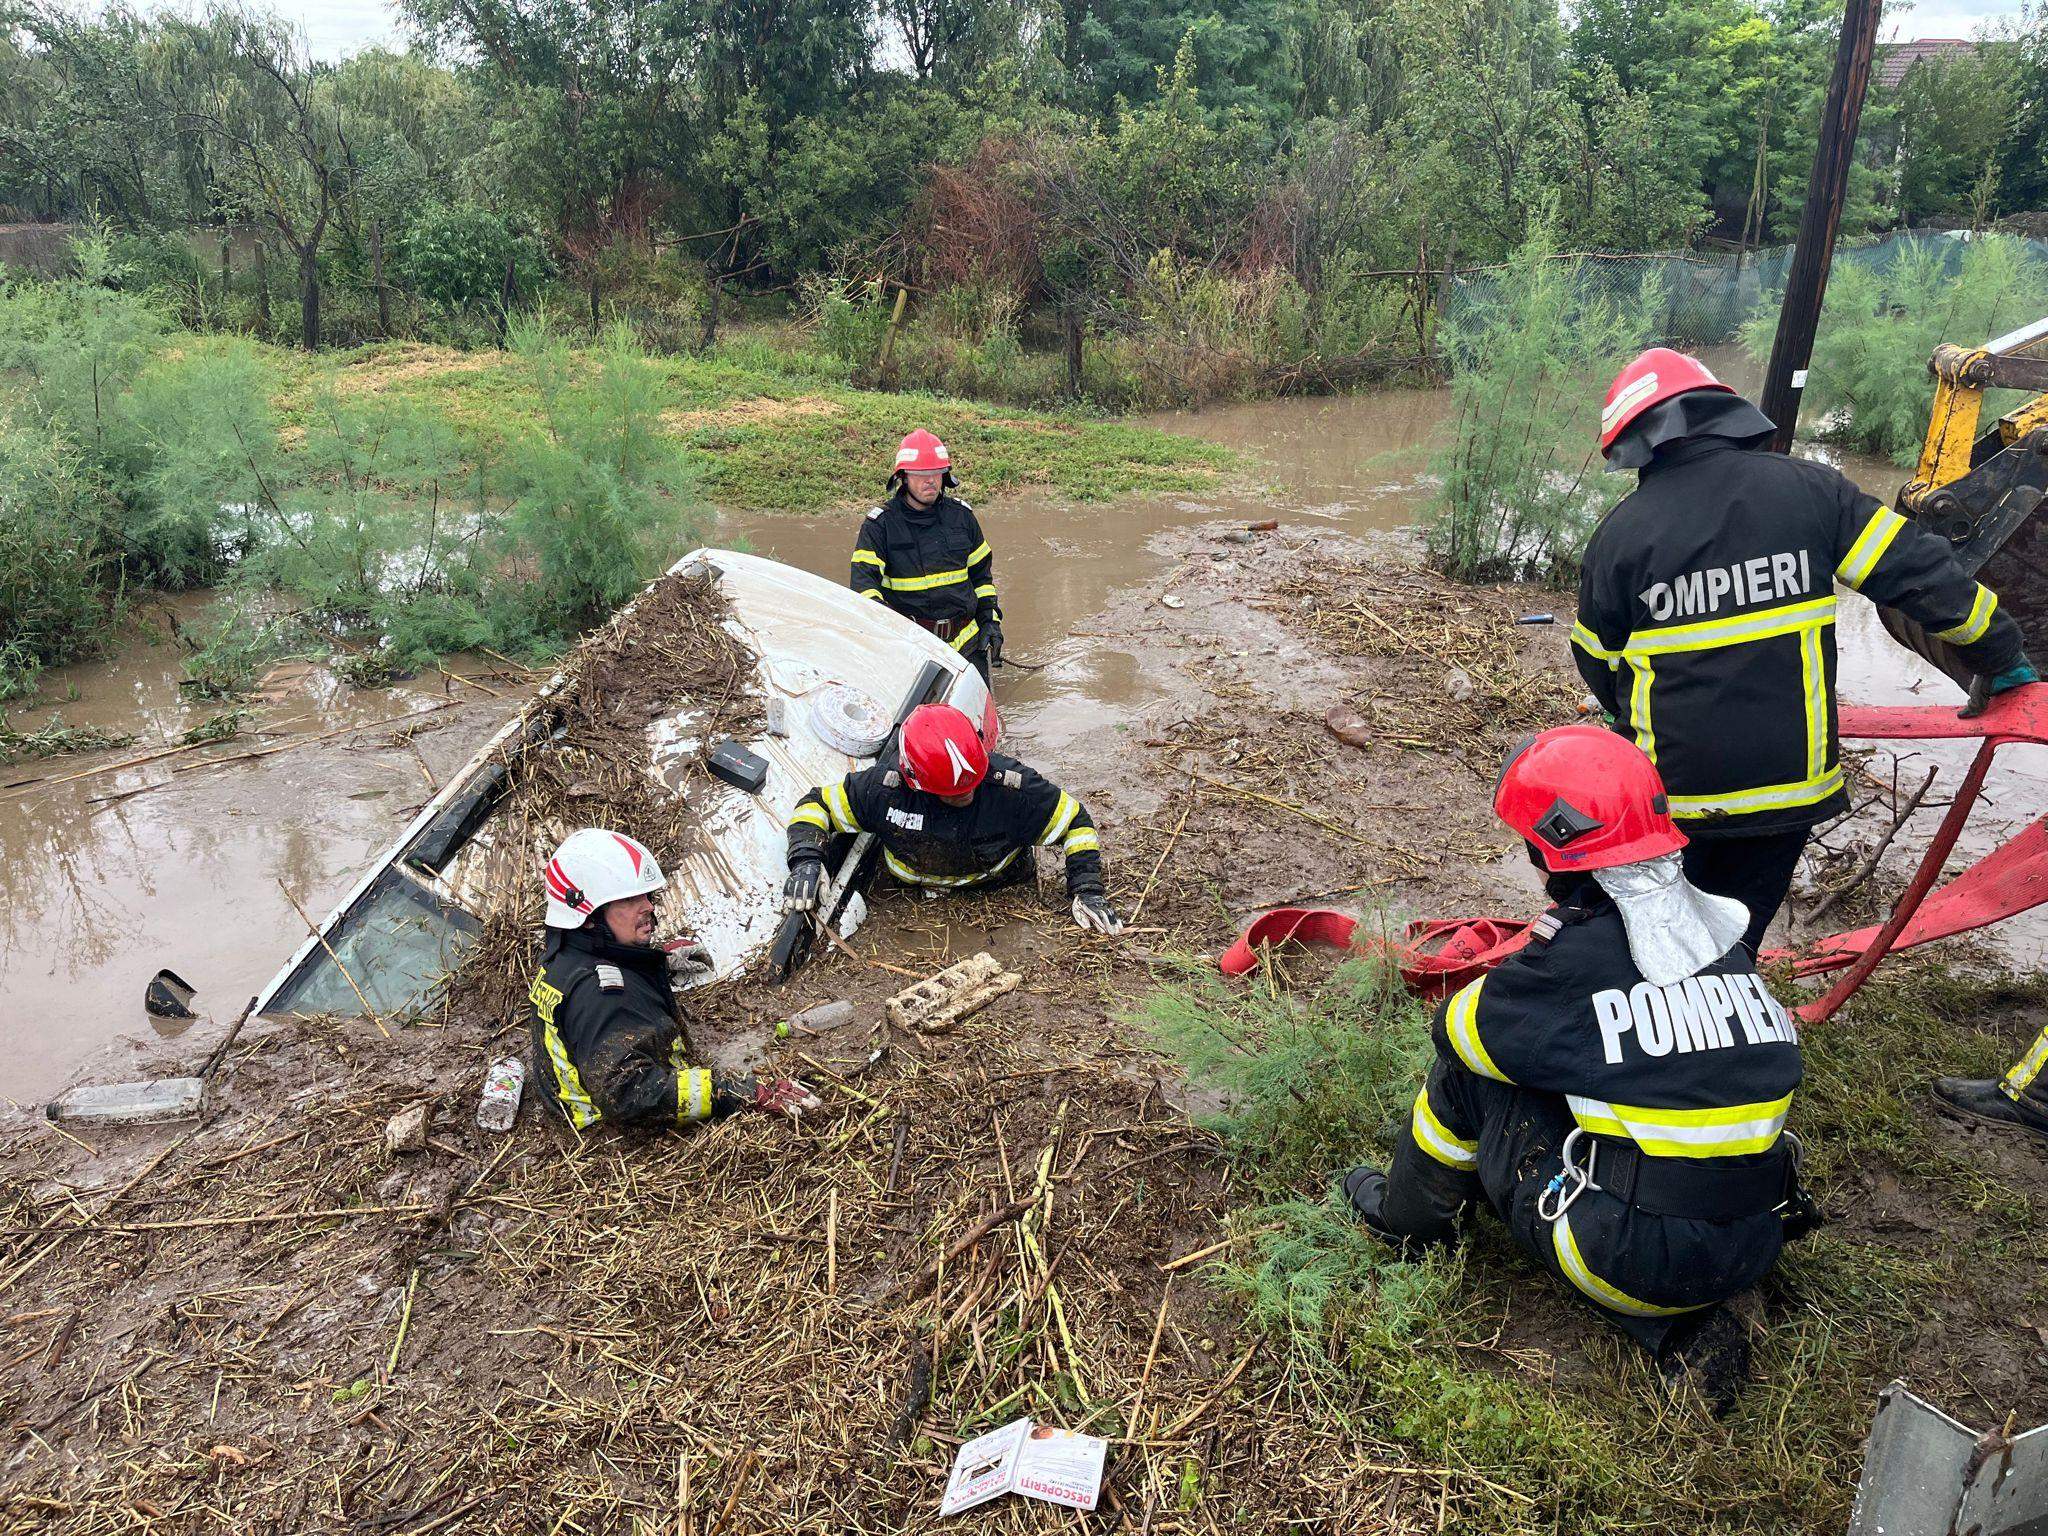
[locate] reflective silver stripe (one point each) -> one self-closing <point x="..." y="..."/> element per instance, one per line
<point x="1573" y="1263"/>
<point x="1063" y="812"/>
<point x="1461" y="1022"/>
<point x="1589" y="642"/>
<point x="1768" y="797"/>
<point x="810" y="816"/>
<point x="1730" y="1130"/>
<point x="693" y="1095"/>
<point x="834" y="796"/>
<point x="2028" y="1067"/>
<point x="1971" y="630"/>
<point x="1712" y="634"/>
<point x="568" y="1081"/>
<point x="903" y="871"/>
<point x="1869" y="548"/>
<point x="1082" y="840"/>
<point x="1437" y="1139"/>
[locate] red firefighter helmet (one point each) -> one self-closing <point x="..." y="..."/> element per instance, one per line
<point x="942" y="752"/>
<point x="1652" y="378"/>
<point x="921" y="452"/>
<point x="1586" y="799"/>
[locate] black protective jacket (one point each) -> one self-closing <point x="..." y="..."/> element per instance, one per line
<point x="1680" y="1091"/>
<point x="930" y="564"/>
<point x="1706" y="624"/>
<point x="928" y="842"/>
<point x="608" y="1040"/>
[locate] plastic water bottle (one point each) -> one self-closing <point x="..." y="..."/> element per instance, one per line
<point x="503" y="1085"/>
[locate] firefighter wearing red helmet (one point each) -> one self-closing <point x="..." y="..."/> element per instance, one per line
<point x="951" y="815"/>
<point x="923" y="554"/>
<point x="1615" y="1093"/>
<point x="608" y="1038"/>
<point x="1706" y="623"/>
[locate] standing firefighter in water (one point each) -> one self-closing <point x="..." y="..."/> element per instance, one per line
<point x="607" y="1037"/>
<point x="1617" y="1091"/>
<point x="922" y="553"/>
<point x="1707" y="611"/>
<point x="951" y="816"/>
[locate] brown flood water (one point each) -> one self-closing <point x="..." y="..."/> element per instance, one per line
<point x="100" y="887"/>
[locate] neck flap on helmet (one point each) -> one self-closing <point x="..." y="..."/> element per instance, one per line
<point x="1675" y="929"/>
<point x="1696" y="413"/>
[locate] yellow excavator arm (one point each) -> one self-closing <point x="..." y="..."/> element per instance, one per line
<point x="1986" y="491"/>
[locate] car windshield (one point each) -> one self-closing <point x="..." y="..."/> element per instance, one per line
<point x="395" y="943"/>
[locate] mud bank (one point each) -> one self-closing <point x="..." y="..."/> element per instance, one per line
<point x="268" y="1322"/>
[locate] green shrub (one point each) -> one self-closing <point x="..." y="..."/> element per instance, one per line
<point x="457" y="256"/>
<point x="53" y="604"/>
<point x="238" y="636"/>
<point x="1867" y="385"/>
<point x="1520" y="481"/>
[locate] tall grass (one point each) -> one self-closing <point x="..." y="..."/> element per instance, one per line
<point x="1520" y="483"/>
<point x="1867" y="385"/>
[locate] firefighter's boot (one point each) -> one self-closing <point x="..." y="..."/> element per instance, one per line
<point x="1985" y="1099"/>
<point x="1711" y="1357"/>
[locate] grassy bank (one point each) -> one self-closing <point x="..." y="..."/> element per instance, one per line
<point x="412" y="500"/>
<point x="1928" y="1269"/>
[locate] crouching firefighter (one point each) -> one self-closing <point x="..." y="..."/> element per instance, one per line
<point x="922" y="553"/>
<point x="608" y="1039"/>
<point x="1616" y="1092"/>
<point x="952" y="816"/>
<point x="2020" y="1098"/>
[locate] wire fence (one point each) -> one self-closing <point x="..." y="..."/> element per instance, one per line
<point x="1703" y="297"/>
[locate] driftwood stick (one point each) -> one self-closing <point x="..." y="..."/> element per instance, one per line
<point x="1869" y="866"/>
<point x="974" y="1234"/>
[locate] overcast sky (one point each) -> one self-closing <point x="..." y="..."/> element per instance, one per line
<point x="336" y="27"/>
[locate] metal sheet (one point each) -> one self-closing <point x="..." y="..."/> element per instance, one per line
<point x="1925" y="1474"/>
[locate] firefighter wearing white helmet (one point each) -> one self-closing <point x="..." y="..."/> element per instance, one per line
<point x="608" y="1038"/>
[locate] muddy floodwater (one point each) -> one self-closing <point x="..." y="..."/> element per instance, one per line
<point x="182" y="863"/>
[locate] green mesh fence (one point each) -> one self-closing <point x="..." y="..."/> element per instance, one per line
<point x="1703" y="298"/>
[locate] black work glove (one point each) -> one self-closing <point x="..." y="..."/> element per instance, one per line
<point x="800" y="890"/>
<point x="1984" y="689"/>
<point x="992" y="632"/>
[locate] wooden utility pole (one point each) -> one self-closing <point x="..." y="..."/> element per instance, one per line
<point x="1807" y="281"/>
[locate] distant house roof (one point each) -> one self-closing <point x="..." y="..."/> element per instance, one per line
<point x="1895" y="59"/>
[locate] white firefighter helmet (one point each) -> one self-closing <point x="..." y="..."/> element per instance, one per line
<point x="595" y="866"/>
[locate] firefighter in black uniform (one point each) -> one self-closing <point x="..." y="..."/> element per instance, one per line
<point x="922" y="553"/>
<point x="1707" y="612"/>
<point x="950" y="815"/>
<point x="1616" y="1092"/>
<point x="608" y="1040"/>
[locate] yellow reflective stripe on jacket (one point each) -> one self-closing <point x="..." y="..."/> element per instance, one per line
<point x="834" y="796"/>
<point x="1639" y="706"/>
<point x="1063" y="814"/>
<point x="1712" y="634"/>
<point x="874" y="592"/>
<point x="1589" y="642"/>
<point x="1732" y="1130"/>
<point x="869" y="557"/>
<point x="986" y="589"/>
<point x="960" y="640"/>
<point x="1813" y="687"/>
<point x="1461" y="1023"/>
<point x="979" y="553"/>
<point x="1573" y="1263"/>
<point x="568" y="1081"/>
<point x="1971" y="630"/>
<point x="1869" y="548"/>
<point x="810" y="816"/>
<point x="693" y="1095"/>
<point x="1767" y="797"/>
<point x="1437" y="1139"/>
<point x="903" y="871"/>
<point x="2028" y="1067"/>
<point x="1082" y="840"/>
<point x="924" y="583"/>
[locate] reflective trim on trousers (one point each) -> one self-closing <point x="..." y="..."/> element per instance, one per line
<point x="1573" y="1263"/>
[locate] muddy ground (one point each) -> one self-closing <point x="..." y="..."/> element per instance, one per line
<point x="266" y="1322"/>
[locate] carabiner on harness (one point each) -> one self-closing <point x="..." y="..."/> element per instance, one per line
<point x="1570" y="1181"/>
